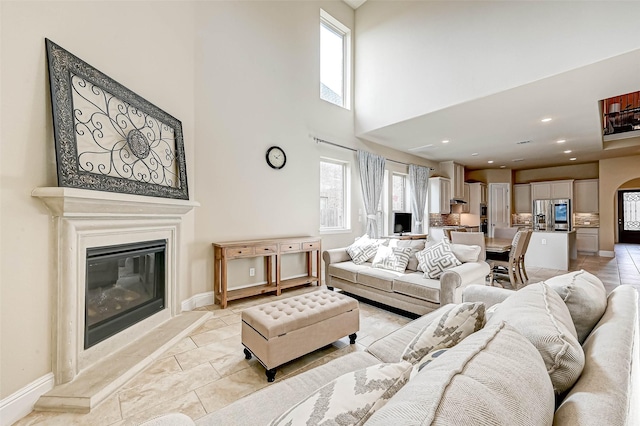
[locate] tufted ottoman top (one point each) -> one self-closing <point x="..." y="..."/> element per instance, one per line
<point x="282" y="316"/>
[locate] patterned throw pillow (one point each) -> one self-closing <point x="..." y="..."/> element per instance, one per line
<point x="350" y="399"/>
<point x="426" y="360"/>
<point x="363" y="249"/>
<point x="437" y="259"/>
<point x="466" y="253"/>
<point x="446" y="331"/>
<point x="392" y="258"/>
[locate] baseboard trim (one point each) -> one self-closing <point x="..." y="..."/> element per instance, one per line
<point x="20" y="403"/>
<point x="606" y="253"/>
<point x="197" y="301"/>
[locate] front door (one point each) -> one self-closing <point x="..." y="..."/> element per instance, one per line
<point x="629" y="216"/>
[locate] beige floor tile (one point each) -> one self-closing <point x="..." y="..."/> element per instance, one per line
<point x="158" y="370"/>
<point x="231" y="388"/>
<point x="143" y="397"/>
<point x="184" y="345"/>
<point x="232" y="319"/>
<point x="208" y="353"/>
<point x="188" y="404"/>
<point x="213" y="336"/>
<point x="213" y="324"/>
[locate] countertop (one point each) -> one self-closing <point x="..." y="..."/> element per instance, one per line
<point x="586" y="226"/>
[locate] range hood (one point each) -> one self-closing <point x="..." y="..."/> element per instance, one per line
<point x="457" y="201"/>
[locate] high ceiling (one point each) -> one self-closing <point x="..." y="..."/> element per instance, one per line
<point x="493" y="128"/>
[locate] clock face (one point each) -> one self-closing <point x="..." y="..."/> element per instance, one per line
<point x="276" y="157"/>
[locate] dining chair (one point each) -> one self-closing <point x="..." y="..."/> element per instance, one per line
<point x="523" y="272"/>
<point x="470" y="239"/>
<point x="512" y="265"/>
<point x="509" y="233"/>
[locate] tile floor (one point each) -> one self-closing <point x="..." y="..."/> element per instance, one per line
<point x="207" y="370"/>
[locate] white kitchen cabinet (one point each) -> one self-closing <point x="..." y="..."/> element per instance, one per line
<point x="522" y="198"/>
<point x="455" y="172"/>
<point x="587" y="240"/>
<point x="552" y="190"/>
<point x="477" y="196"/>
<point x="466" y="208"/>
<point x="585" y="196"/>
<point x="439" y="195"/>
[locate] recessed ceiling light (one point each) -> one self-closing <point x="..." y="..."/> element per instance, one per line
<point x="502" y="167"/>
<point x="516" y="160"/>
<point x="546" y="120"/>
<point x="561" y="141"/>
<point x="568" y="151"/>
<point x="490" y="161"/>
<point x="572" y="159"/>
<point x="475" y="154"/>
<point x="445" y="141"/>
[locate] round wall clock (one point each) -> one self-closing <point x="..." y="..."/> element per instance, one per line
<point x="276" y="157"/>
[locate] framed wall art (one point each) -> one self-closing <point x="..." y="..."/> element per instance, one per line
<point x="108" y="138"/>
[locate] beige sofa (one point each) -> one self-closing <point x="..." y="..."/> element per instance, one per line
<point x="510" y="385"/>
<point x="410" y="290"/>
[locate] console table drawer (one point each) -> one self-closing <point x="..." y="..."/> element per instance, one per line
<point x="273" y="248"/>
<point x="311" y="246"/>
<point x="240" y="251"/>
<point x="290" y="247"/>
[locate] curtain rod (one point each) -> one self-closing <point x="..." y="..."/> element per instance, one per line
<point x="355" y="150"/>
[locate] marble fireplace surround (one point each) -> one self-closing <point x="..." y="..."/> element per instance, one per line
<point x="84" y="219"/>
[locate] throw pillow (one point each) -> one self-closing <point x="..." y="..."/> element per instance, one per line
<point x="437" y="259"/>
<point x="363" y="249"/>
<point x="427" y="244"/>
<point x="416" y="246"/>
<point x="493" y="377"/>
<point x="466" y="253"/>
<point x="426" y="360"/>
<point x="585" y="297"/>
<point x="540" y="315"/>
<point x="351" y="398"/>
<point x="446" y="331"/>
<point x="392" y="258"/>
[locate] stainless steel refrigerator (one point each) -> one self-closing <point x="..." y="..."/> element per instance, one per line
<point x="552" y="215"/>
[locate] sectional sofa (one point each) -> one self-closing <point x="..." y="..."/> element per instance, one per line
<point x="560" y="352"/>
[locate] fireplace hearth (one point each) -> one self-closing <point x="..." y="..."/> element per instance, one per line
<point x="125" y="284"/>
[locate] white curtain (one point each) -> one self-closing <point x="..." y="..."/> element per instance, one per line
<point x="371" y="180"/>
<point x="419" y="184"/>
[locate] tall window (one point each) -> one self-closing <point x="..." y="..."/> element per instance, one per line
<point x="335" y="47"/>
<point x="334" y="195"/>
<point x="400" y="193"/>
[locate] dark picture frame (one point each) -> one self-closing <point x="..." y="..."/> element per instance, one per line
<point x="108" y="138"/>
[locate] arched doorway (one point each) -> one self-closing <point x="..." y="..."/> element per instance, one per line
<point x="629" y="212"/>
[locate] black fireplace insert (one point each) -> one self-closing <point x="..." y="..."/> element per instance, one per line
<point x="124" y="285"/>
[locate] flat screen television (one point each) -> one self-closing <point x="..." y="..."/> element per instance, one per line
<point x="401" y="223"/>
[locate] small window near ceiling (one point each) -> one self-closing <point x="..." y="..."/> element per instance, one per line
<point x="334" y="195"/>
<point x="335" y="46"/>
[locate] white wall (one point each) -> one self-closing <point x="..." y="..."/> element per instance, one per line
<point x="241" y="76"/>
<point x="415" y="57"/>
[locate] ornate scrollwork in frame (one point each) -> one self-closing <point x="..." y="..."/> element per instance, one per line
<point x="110" y="139"/>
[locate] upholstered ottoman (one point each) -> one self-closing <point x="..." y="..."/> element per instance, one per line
<point x="281" y="331"/>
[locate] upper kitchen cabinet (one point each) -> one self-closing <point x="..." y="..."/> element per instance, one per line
<point x="585" y="196"/>
<point x="477" y="196"/>
<point x="455" y="172"/>
<point x="552" y="190"/>
<point x="522" y="198"/>
<point x="466" y="208"/>
<point x="440" y="195"/>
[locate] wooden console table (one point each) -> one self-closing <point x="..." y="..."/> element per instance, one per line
<point x="272" y="250"/>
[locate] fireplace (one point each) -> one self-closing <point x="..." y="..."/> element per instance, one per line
<point x="125" y="284"/>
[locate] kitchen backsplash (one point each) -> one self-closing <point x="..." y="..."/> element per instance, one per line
<point x="586" y="219"/>
<point x="522" y="218"/>
<point x="436" y="219"/>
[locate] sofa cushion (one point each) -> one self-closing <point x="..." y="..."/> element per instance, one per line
<point x="350" y="399"/>
<point x="493" y="377"/>
<point x="363" y="249"/>
<point x="466" y="253"/>
<point x="392" y="258"/>
<point x="446" y="331"/>
<point x="416" y="246"/>
<point x="382" y="279"/>
<point x="585" y="296"/>
<point x="415" y="284"/>
<point x="426" y="360"/>
<point x="539" y="314"/>
<point x="347" y="270"/>
<point x="436" y="259"/>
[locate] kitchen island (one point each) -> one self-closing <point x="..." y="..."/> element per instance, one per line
<point x="551" y="249"/>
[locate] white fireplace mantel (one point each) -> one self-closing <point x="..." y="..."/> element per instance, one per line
<point x="84" y="219"/>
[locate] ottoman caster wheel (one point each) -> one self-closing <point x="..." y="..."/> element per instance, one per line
<point x="247" y="353"/>
<point x="271" y="375"/>
<point x="352" y="338"/>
